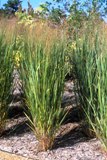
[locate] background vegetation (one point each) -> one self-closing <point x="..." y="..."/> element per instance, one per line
<point x="49" y="43"/>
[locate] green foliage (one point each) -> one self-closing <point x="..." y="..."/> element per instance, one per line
<point x="90" y="65"/>
<point x="56" y="15"/>
<point x="76" y="19"/>
<point x="6" y="69"/>
<point x="48" y="11"/>
<point x="96" y="7"/>
<point x="30" y="9"/>
<point x="25" y="19"/>
<point x="12" y="6"/>
<point x="43" y="73"/>
<point x="89" y="6"/>
<point x="43" y="10"/>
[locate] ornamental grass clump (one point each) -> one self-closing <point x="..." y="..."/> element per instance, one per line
<point x="90" y="66"/>
<point x="6" y="69"/>
<point x="42" y="72"/>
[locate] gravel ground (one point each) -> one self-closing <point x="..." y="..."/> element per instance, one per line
<point x="71" y="143"/>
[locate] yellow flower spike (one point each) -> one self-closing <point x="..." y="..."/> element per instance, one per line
<point x="73" y="46"/>
<point x="17" y="58"/>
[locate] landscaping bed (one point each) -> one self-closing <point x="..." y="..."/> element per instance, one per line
<point x="71" y="143"/>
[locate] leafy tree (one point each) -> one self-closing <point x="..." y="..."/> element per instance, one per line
<point x="12" y="6"/>
<point x="43" y="10"/>
<point x="30" y="8"/>
<point x="49" y="11"/>
<point x="76" y="17"/>
<point x="80" y="12"/>
<point x="57" y="15"/>
<point x="98" y="7"/>
<point x="2" y="12"/>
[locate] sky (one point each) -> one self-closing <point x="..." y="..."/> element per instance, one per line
<point x="34" y="3"/>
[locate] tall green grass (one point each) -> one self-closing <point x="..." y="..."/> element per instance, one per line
<point x="90" y="66"/>
<point x="43" y="73"/>
<point x="6" y="69"/>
